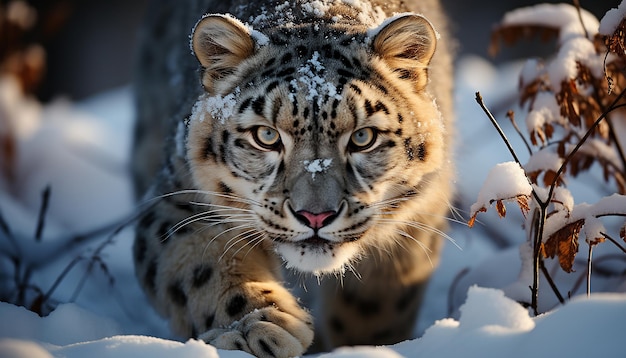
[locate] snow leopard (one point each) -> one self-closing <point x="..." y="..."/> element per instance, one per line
<point x="289" y="149"/>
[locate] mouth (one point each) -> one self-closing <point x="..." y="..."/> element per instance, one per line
<point x="318" y="255"/>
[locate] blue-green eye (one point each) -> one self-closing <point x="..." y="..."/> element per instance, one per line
<point x="266" y="137"/>
<point x="363" y="139"/>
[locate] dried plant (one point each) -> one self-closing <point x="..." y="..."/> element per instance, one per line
<point x="576" y="122"/>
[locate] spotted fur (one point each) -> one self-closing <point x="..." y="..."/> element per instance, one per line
<point x="317" y="142"/>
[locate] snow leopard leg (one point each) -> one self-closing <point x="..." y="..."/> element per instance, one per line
<point x="218" y="287"/>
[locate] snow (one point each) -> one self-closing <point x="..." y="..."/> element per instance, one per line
<point x="562" y="16"/>
<point x="317" y="166"/>
<point x="218" y="106"/>
<point x="504" y="181"/>
<point x="612" y="19"/>
<point x="312" y="78"/>
<point x="81" y="149"/>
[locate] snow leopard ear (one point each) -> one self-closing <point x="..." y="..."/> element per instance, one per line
<point x="406" y="43"/>
<point x="220" y="43"/>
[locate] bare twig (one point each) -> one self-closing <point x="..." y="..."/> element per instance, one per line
<point x="45" y="199"/>
<point x="511" y="116"/>
<point x="580" y="17"/>
<point x="589" y="260"/>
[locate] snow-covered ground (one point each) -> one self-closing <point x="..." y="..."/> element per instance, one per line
<point x="80" y="150"/>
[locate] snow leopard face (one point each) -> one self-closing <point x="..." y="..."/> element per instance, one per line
<point x="314" y="138"/>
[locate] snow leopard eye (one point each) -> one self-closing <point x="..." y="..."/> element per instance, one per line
<point x="266" y="137"/>
<point x="363" y="139"/>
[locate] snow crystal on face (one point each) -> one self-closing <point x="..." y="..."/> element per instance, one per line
<point x="317" y="166"/>
<point x="316" y="8"/>
<point x="504" y="181"/>
<point x="312" y="80"/>
<point x="218" y="106"/>
<point x="612" y="19"/>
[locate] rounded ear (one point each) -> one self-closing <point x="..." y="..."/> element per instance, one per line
<point x="407" y="44"/>
<point x="220" y="44"/>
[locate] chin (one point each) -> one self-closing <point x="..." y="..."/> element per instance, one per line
<point x="318" y="259"/>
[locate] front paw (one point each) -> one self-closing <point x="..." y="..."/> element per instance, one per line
<point x="265" y="332"/>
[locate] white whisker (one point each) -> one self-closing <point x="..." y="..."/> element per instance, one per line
<point x="420" y="226"/>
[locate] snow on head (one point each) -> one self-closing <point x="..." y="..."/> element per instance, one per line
<point x="218" y="106"/>
<point x="312" y="81"/>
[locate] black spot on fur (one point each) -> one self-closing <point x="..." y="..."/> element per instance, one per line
<point x="266" y="348"/>
<point x="258" y="105"/>
<point x="207" y="150"/>
<point x="305" y="113"/>
<point x="245" y="104"/>
<point x="409" y="149"/>
<point x="336" y="324"/>
<point x="150" y="276"/>
<point x="355" y="88"/>
<point x="147" y="220"/>
<point x="410" y="295"/>
<point x="270" y="62"/>
<point x="369" y="109"/>
<point x="201" y="275"/>
<point x="177" y="294"/>
<point x="271" y="86"/>
<point x="368" y="308"/>
<point x="381" y="107"/>
<point x="224" y="188"/>
<point x="140" y="248"/>
<point x="345" y="73"/>
<point x="208" y="321"/>
<point x="236" y="305"/>
<point x="286" y="72"/>
<point x="400" y="118"/>
<point x="164" y="232"/>
<point x="301" y="51"/>
<point x="421" y="151"/>
<point x="286" y="58"/>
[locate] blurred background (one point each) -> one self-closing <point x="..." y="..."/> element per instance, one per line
<point x="89" y="45"/>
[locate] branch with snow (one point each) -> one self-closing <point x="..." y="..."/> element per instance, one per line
<point x="575" y="120"/>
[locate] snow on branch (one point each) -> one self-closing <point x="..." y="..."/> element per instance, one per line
<point x="576" y="122"/>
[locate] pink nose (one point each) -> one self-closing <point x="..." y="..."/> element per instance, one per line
<point x="316" y="221"/>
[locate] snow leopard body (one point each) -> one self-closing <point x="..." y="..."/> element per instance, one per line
<point x="281" y="141"/>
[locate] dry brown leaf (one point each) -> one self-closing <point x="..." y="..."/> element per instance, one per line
<point x="522" y="201"/>
<point x="472" y="220"/>
<point x="512" y="34"/>
<point x="564" y="244"/>
<point x="500" y="208"/>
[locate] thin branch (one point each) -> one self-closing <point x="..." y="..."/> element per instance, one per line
<point x="608" y="237"/>
<point x="589" y="269"/>
<point x="493" y="120"/>
<point x="551" y="283"/>
<point x="580" y="18"/>
<point x="511" y="116"/>
<point x="45" y="199"/>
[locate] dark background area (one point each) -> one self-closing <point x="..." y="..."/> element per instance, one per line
<point x="94" y="48"/>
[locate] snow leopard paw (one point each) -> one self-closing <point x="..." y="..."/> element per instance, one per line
<point x="265" y="332"/>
